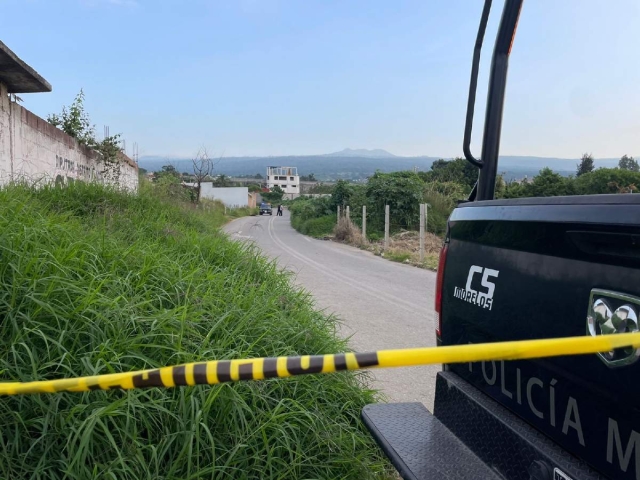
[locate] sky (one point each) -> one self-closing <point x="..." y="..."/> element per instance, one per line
<point x="279" y="77"/>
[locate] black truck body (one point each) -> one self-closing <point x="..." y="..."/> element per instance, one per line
<point x="522" y="269"/>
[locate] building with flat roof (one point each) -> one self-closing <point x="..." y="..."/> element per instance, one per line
<point x="34" y="151"/>
<point x="286" y="178"/>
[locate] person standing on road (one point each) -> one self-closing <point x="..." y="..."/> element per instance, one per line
<point x="279" y="210"/>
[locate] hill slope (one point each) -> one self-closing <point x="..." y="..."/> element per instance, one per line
<point x="362" y="153"/>
<point x="334" y="166"/>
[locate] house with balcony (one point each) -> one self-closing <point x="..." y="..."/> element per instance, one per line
<point x="286" y="178"/>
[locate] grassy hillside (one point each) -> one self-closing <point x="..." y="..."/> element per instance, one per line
<point x="93" y="281"/>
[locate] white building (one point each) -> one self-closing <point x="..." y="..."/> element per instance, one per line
<point x="232" y="197"/>
<point x="286" y="178"/>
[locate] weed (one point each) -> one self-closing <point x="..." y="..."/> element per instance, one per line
<point x="95" y="281"/>
<point x="401" y="257"/>
<point x="346" y="231"/>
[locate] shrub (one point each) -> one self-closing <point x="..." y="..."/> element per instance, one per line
<point x="402" y="191"/>
<point x="608" y="180"/>
<point x="318" y="227"/>
<point x="346" y="231"/>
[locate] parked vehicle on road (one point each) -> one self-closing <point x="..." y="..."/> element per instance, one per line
<point x="265" y="209"/>
<point x="528" y="268"/>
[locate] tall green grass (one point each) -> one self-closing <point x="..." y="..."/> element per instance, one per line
<point x="93" y="281"/>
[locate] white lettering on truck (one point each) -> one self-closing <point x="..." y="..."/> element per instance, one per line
<point x="572" y="410"/>
<point x="468" y="294"/>
<point x="633" y="446"/>
<point x="571" y="422"/>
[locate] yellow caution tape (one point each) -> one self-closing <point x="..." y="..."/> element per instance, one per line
<point x="219" y="371"/>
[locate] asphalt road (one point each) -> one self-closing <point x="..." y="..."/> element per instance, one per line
<point x="380" y="304"/>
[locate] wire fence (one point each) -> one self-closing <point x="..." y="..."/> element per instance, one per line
<point x="360" y="219"/>
<point x="377" y="224"/>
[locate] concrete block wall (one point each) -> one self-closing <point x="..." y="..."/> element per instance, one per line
<point x="231" y="196"/>
<point x="35" y="151"/>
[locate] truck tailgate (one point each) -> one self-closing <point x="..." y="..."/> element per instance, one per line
<point x="531" y="268"/>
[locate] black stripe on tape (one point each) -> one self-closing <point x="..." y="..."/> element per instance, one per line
<point x="270" y="368"/>
<point x="340" y="361"/>
<point x="200" y="373"/>
<point x="179" y="377"/>
<point x="223" y="369"/>
<point x="246" y="371"/>
<point x="153" y="380"/>
<point x="294" y="365"/>
<point x="369" y="359"/>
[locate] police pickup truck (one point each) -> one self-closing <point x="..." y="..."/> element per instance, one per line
<point x="516" y="270"/>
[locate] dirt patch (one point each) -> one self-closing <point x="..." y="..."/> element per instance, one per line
<point x="404" y="247"/>
<point x="410" y="242"/>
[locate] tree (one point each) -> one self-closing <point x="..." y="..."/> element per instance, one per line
<point x="546" y="184"/>
<point x="585" y="165"/>
<point x="222" y="181"/>
<point x="167" y="170"/>
<point x="321" y="188"/>
<point x="457" y="170"/>
<point x="550" y="184"/>
<point x="202" y="168"/>
<point x="308" y="178"/>
<point x="402" y="191"/>
<point x="340" y="195"/>
<point x="607" y="180"/>
<point x="628" y="163"/>
<point x="171" y="186"/>
<point x="109" y="149"/>
<point x="75" y="122"/>
<point x="274" y="196"/>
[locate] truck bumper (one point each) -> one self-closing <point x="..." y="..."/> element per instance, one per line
<point x="469" y="436"/>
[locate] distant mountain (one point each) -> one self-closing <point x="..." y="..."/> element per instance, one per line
<point x="362" y="153"/>
<point x="324" y="167"/>
<point x="335" y="167"/>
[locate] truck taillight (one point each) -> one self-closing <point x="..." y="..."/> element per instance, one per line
<point x="439" y="281"/>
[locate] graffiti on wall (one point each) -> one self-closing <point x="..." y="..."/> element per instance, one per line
<point x="69" y="171"/>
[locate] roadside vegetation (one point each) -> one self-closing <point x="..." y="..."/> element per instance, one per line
<point x="442" y="187"/>
<point x="95" y="281"/>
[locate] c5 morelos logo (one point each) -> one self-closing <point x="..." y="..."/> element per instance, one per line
<point x="468" y="294"/>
